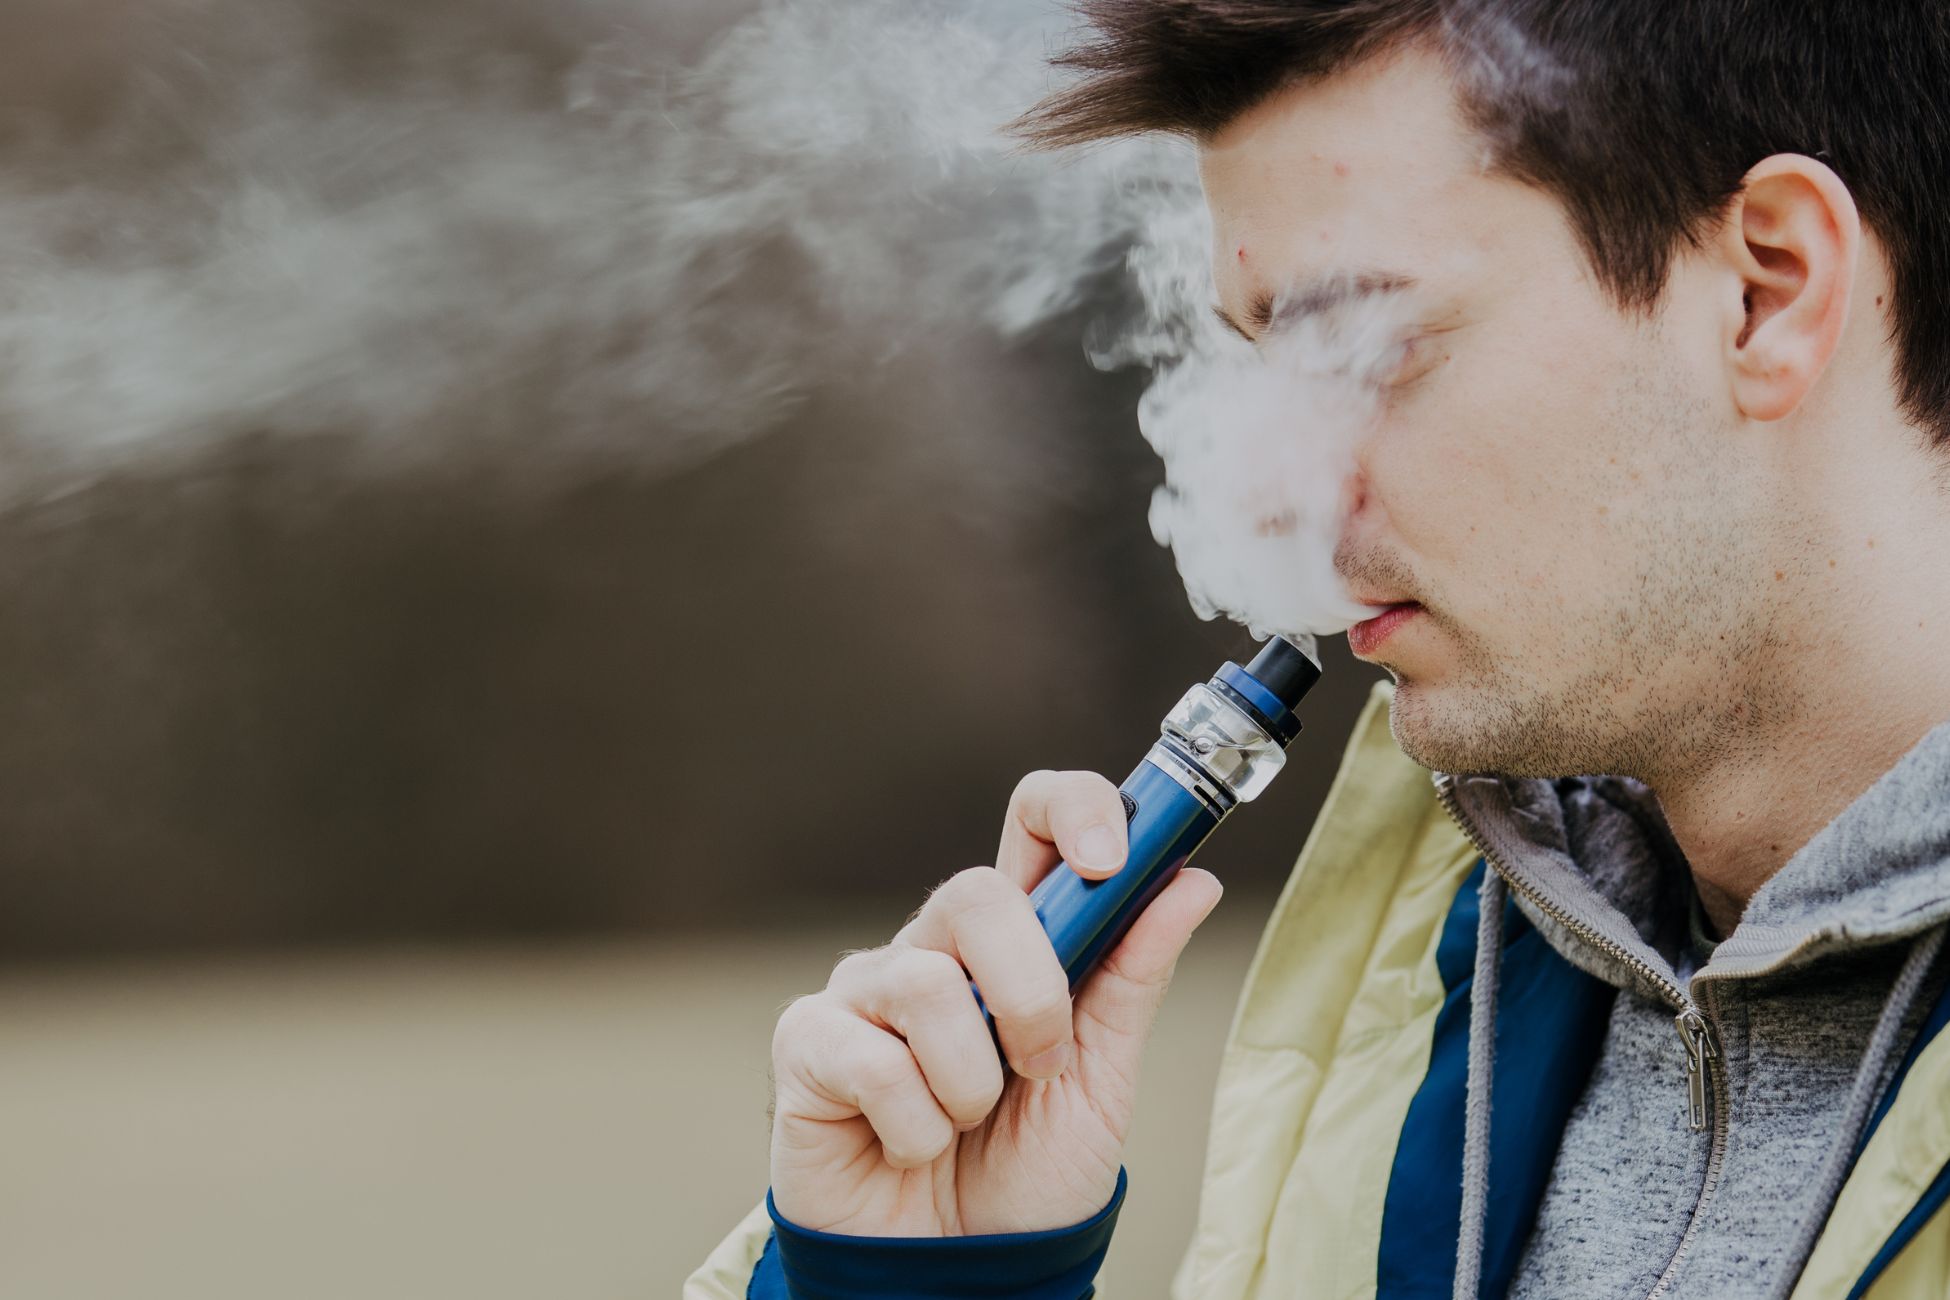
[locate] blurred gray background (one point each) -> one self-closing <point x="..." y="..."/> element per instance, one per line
<point x="487" y="610"/>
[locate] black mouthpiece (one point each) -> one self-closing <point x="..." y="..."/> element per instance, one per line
<point x="1267" y="689"/>
<point x="1284" y="669"/>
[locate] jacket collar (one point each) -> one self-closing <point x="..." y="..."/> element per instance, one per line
<point x="1594" y="865"/>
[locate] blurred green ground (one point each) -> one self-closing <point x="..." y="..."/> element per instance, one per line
<point x="577" y="1121"/>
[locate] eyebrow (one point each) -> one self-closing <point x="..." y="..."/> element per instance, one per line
<point x="1266" y="311"/>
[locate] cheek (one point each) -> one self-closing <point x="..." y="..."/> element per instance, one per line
<point x="1497" y="480"/>
<point x="1448" y="468"/>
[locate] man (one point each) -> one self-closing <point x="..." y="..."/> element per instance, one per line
<point x="1663" y="492"/>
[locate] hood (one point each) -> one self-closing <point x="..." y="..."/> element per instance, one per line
<point x="1595" y="866"/>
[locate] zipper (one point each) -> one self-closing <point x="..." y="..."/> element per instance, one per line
<point x="1675" y="996"/>
<point x="1701" y="1050"/>
<point x="1703" y="1068"/>
<point x="1706" y="1093"/>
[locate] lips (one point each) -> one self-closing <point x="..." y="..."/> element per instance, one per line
<point x="1366" y="637"/>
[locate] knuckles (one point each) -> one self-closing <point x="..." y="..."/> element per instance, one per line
<point x="973" y="887"/>
<point x="915" y="1154"/>
<point x="796" y="1027"/>
<point x="884" y="980"/>
<point x="1032" y="784"/>
<point x="879" y="1072"/>
<point x="856" y="970"/>
<point x="969" y="1100"/>
<point x="929" y="979"/>
<point x="978" y="896"/>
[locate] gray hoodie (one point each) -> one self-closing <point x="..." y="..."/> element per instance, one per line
<point x="1716" y="1128"/>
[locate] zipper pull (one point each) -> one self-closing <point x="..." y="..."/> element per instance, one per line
<point x="1696" y="1033"/>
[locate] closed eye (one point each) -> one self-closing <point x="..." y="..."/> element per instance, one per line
<point x="1416" y="358"/>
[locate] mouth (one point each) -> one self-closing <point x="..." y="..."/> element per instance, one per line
<point x="1366" y="637"/>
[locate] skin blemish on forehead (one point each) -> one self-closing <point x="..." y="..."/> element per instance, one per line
<point x="1242" y="252"/>
<point x="1340" y="169"/>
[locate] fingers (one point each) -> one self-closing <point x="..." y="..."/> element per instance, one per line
<point x="1075" y="816"/>
<point x="866" y="1069"/>
<point x="898" y="1040"/>
<point x="1118" y="1003"/>
<point x="986" y="923"/>
<point x="923" y="996"/>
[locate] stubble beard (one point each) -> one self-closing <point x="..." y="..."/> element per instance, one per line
<point x="1488" y="718"/>
<point x="1681" y="669"/>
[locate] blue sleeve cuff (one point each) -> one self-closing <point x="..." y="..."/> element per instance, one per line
<point x="800" y="1264"/>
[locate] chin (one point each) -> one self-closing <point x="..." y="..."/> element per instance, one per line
<point x="1454" y="729"/>
<point x="1410" y="720"/>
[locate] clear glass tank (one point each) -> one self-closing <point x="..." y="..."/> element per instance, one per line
<point x="1225" y="740"/>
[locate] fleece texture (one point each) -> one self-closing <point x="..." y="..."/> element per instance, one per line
<point x="1637" y="1197"/>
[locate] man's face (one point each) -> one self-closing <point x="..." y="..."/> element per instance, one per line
<point x="1563" y="486"/>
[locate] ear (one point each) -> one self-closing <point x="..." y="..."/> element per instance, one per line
<point x="1791" y="239"/>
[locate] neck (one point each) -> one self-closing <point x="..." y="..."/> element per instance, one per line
<point x="1739" y="821"/>
<point x="1859" y="678"/>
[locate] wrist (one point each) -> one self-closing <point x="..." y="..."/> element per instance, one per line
<point x="1056" y="1264"/>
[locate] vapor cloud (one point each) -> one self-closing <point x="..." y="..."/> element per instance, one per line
<point x="289" y="219"/>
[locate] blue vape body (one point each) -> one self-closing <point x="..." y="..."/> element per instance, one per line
<point x="1085" y="917"/>
<point x="1219" y="747"/>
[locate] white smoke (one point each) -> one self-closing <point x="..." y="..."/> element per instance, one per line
<point x="1258" y="446"/>
<point x="616" y="254"/>
<point x="1258" y="443"/>
<point x="703" y="245"/>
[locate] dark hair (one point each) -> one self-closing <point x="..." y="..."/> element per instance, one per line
<point x="1641" y="116"/>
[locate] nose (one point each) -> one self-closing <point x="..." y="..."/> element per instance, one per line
<point x="1357" y="509"/>
<point x="1353" y="496"/>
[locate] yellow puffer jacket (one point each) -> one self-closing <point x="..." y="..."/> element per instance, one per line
<point x="1332" y="1042"/>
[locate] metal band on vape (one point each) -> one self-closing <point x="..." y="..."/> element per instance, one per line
<point x="1181" y="767"/>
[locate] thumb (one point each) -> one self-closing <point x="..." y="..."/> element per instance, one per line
<point x="1118" y="1002"/>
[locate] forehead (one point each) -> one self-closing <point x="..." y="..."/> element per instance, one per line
<point x="1373" y="168"/>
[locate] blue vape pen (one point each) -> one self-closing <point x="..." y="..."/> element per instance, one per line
<point x="1218" y="748"/>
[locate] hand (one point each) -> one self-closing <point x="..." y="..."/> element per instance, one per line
<point x="893" y="1116"/>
